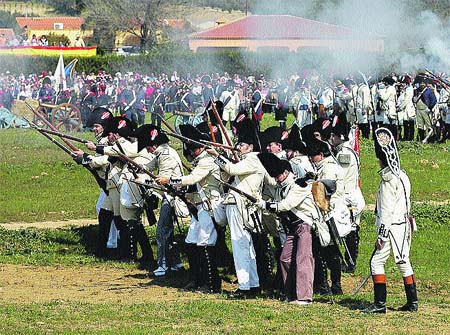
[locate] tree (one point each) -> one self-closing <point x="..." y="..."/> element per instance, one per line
<point x="67" y="7"/>
<point x="7" y="20"/>
<point x="142" y="19"/>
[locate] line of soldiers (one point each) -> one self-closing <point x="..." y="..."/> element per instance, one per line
<point x="301" y="187"/>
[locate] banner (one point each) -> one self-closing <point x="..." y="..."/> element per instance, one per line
<point x="49" y="51"/>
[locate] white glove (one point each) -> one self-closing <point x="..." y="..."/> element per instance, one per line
<point x="261" y="204"/>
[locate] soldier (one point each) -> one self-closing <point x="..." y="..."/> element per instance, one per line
<point x="168" y="163"/>
<point x="248" y="177"/>
<point x="186" y="103"/>
<point x="388" y="97"/>
<point x="406" y="107"/>
<point x="298" y="216"/>
<point x="256" y="102"/>
<point x="127" y="98"/>
<point x="231" y="102"/>
<point x="139" y="105"/>
<point x="88" y="102"/>
<point x="97" y="121"/>
<point x="208" y="90"/>
<point x="329" y="171"/>
<point x="202" y="235"/>
<point x="348" y="159"/>
<point x="394" y="225"/>
<point x="364" y="108"/>
<point x="126" y="200"/>
<point x="158" y="106"/>
<point x="296" y="153"/>
<point x="425" y="101"/>
<point x="282" y="107"/>
<point x="304" y="108"/>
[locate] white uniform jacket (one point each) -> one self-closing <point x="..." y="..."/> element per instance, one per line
<point x="393" y="202"/>
<point x="349" y="161"/>
<point x="388" y="98"/>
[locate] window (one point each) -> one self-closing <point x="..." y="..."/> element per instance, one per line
<point x="58" y="26"/>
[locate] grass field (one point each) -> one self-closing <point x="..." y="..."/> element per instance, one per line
<point x="50" y="283"/>
<point x="40" y="182"/>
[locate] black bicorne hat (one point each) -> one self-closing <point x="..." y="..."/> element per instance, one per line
<point x="99" y="115"/>
<point x="246" y="133"/>
<point x="294" y="141"/>
<point x="204" y="128"/>
<point x="191" y="132"/>
<point x="274" y="165"/>
<point x="148" y="135"/>
<point x="339" y="125"/>
<point x="323" y="127"/>
<point x="317" y="146"/>
<point x="120" y="125"/>
<point x="273" y="134"/>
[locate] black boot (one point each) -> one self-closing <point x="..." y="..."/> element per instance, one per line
<point x="379" y="306"/>
<point x="352" y="241"/>
<point x="331" y="257"/>
<point x="421" y="134"/>
<point x="263" y="251"/>
<point x="193" y="257"/>
<point x="321" y="285"/>
<point x="124" y="238"/>
<point x="133" y="239"/>
<point x="147" y="261"/>
<point x="214" y="281"/>
<point x="105" y="218"/>
<point x="412" y="304"/>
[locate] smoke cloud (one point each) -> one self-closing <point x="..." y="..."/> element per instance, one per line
<point x="414" y="38"/>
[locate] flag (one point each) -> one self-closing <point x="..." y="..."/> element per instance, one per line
<point x="70" y="68"/>
<point x="60" y="76"/>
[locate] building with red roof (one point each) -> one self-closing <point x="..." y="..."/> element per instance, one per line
<point x="60" y="25"/>
<point x="285" y="32"/>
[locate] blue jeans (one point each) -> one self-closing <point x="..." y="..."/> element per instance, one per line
<point x="164" y="237"/>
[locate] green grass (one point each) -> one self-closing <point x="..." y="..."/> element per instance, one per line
<point x="39" y="182"/>
<point x="195" y="313"/>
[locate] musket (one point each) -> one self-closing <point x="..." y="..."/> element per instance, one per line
<point x="48" y="124"/>
<point x="254" y="216"/>
<point x="100" y="181"/>
<point x="337" y="239"/>
<point x="170" y="189"/>
<point x="442" y="81"/>
<point x="208" y="145"/>
<point x="61" y="146"/>
<point x="219" y="145"/>
<point x="224" y="130"/>
<point x="146" y="185"/>
<point x="62" y="135"/>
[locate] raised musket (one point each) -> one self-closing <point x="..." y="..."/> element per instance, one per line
<point x="62" y="135"/>
<point x="222" y="127"/>
<point x="100" y="181"/>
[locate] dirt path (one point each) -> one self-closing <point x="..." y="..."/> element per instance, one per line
<point x="49" y="224"/>
<point x="25" y="284"/>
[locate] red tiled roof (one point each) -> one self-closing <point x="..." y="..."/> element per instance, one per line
<point x="42" y="23"/>
<point x="276" y="27"/>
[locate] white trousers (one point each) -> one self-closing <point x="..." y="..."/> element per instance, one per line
<point x="243" y="251"/>
<point x="399" y="242"/>
<point x="202" y="232"/>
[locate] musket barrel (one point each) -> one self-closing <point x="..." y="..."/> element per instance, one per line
<point x="69" y="137"/>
